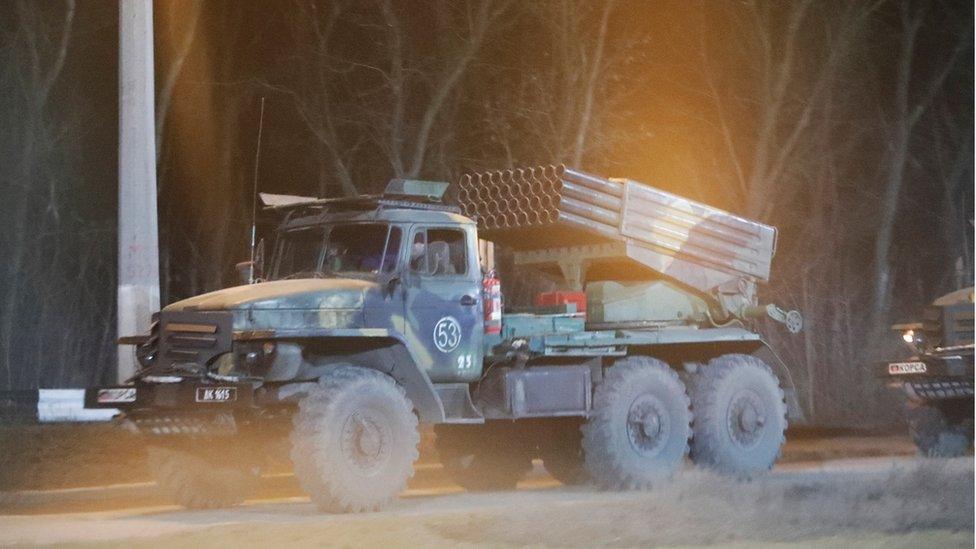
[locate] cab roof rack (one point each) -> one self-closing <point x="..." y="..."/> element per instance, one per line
<point x="399" y="193"/>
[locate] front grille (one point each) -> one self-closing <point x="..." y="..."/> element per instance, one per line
<point x="186" y="424"/>
<point x="189" y="338"/>
<point x="938" y="390"/>
<point x="948" y="326"/>
<point x="957" y="321"/>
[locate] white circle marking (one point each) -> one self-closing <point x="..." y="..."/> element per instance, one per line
<point x="447" y="334"/>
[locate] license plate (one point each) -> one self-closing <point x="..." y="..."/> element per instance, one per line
<point x="899" y="368"/>
<point x="116" y="395"/>
<point x="216" y="394"/>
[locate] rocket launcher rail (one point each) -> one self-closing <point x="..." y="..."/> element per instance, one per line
<point x="551" y="214"/>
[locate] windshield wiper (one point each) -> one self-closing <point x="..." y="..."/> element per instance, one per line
<point x="303" y="274"/>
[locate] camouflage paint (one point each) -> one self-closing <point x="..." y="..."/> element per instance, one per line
<point x="433" y="300"/>
<point x="406" y="305"/>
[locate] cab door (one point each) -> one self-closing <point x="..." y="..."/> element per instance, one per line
<point x="443" y="308"/>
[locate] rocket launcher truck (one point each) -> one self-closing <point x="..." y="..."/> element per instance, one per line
<point x="376" y="313"/>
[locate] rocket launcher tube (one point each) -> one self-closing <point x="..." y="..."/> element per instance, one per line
<point x="602" y="225"/>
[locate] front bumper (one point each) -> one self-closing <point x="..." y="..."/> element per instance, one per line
<point x="184" y="408"/>
<point x="949" y="365"/>
<point x="931" y="377"/>
<point x="183" y="396"/>
<point x="937" y="389"/>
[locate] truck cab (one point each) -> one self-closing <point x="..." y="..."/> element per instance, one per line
<point x="413" y="274"/>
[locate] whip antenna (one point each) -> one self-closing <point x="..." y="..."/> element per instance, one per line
<point x="254" y="193"/>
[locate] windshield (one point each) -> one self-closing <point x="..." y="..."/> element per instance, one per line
<point x="300" y="253"/>
<point x="345" y="249"/>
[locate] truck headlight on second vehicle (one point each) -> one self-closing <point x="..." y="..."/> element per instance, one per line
<point x="913" y="339"/>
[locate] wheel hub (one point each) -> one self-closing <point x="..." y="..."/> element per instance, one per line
<point x="651" y="426"/>
<point x="369" y="438"/>
<point x="365" y="441"/>
<point x="746" y="418"/>
<point x="647" y="425"/>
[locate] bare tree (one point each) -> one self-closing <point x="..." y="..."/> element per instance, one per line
<point x="178" y="26"/>
<point x="793" y="139"/>
<point x="389" y="98"/>
<point x="33" y="65"/>
<point x="907" y="110"/>
<point x="779" y="118"/>
<point x="562" y="102"/>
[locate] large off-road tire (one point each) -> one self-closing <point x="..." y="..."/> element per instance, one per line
<point x="196" y="482"/>
<point x="482" y="457"/>
<point x="638" y="430"/>
<point x="740" y="416"/>
<point x="941" y="429"/>
<point x="354" y="440"/>
<point x="562" y="453"/>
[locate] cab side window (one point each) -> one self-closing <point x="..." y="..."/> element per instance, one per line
<point x="418" y="253"/>
<point x="439" y="252"/>
<point x="446" y="252"/>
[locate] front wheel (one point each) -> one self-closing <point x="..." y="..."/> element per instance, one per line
<point x="195" y="480"/>
<point x="354" y="440"/>
<point x="941" y="429"/>
<point x="740" y="416"/>
<point x="638" y="429"/>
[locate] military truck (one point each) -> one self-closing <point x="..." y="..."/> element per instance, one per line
<point x="937" y="379"/>
<point x="376" y="313"/>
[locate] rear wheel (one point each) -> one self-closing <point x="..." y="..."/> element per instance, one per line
<point x="354" y="440"/>
<point x="483" y="457"/>
<point x="638" y="429"/>
<point x="740" y="415"/>
<point x="942" y="429"/>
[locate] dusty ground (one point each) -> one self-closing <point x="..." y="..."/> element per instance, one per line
<point x="43" y="457"/>
<point x="869" y="503"/>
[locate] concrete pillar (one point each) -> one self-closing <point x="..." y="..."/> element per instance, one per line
<point x="138" y="291"/>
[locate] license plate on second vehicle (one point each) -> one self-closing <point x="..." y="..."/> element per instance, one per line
<point x="216" y="394"/>
<point x="898" y="368"/>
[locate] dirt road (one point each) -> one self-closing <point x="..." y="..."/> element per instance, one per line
<point x="871" y="502"/>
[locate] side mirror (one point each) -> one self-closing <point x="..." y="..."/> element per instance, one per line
<point x="390" y="283"/>
<point x="246" y="271"/>
<point x="250" y="272"/>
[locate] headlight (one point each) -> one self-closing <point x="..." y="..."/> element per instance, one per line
<point x="913" y="339"/>
<point x="224" y="365"/>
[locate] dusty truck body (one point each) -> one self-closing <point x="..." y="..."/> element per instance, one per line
<point x="375" y="314"/>
<point x="937" y="379"/>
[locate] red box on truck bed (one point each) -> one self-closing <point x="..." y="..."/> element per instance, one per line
<point x="551" y="299"/>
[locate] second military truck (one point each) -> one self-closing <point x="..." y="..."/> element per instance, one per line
<point x="375" y="314"/>
<point x="937" y="380"/>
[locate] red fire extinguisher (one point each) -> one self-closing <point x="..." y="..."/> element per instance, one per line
<point x="491" y="289"/>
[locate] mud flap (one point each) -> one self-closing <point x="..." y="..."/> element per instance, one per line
<point x="794" y="411"/>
